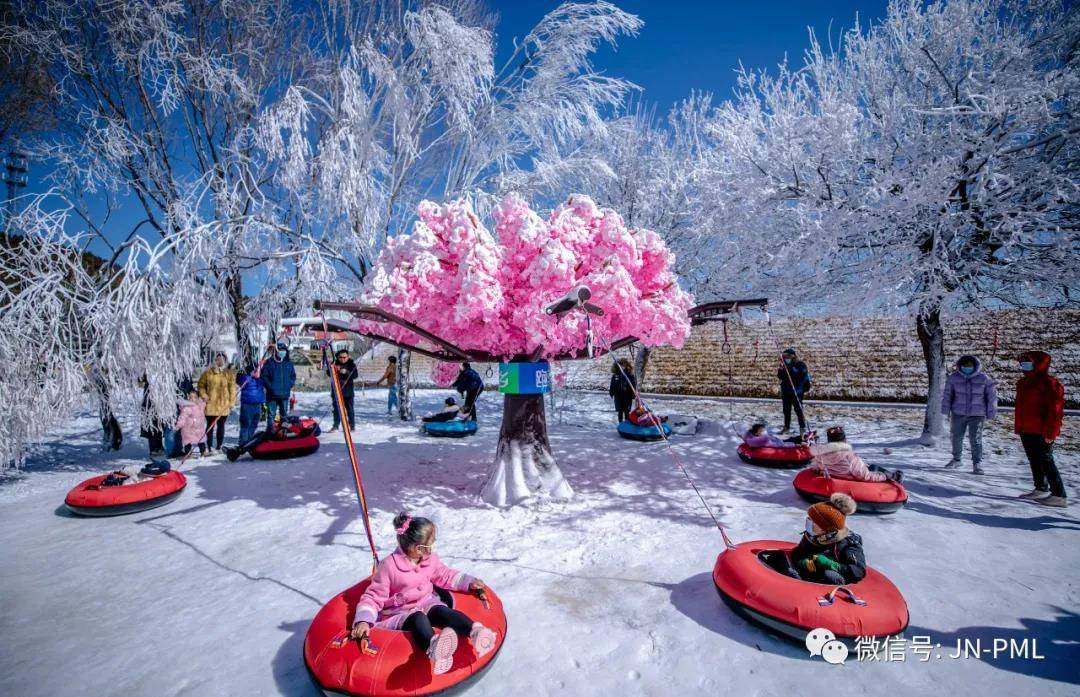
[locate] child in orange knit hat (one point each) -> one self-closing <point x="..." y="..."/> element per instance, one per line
<point x="829" y="552"/>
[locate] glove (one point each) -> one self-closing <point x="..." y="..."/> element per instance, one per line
<point x="825" y="563"/>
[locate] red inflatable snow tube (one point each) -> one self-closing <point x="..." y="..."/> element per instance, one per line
<point x="871" y="607"/>
<point x="274" y="449"/>
<point x="91" y="499"/>
<point x="297" y="440"/>
<point x="871" y="497"/>
<point x="782" y="458"/>
<point x="390" y="664"/>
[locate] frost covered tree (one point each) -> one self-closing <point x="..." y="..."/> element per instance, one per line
<point x="155" y="104"/>
<point x="929" y="165"/>
<point x="259" y="152"/>
<point x="407" y="103"/>
<point x="485" y="292"/>
<point x="73" y="322"/>
<point x="655" y="172"/>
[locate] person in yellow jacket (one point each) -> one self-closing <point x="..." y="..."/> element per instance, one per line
<point x="217" y="387"/>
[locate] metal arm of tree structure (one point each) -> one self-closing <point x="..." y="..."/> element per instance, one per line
<point x="723" y="309"/>
<point x="446" y="351"/>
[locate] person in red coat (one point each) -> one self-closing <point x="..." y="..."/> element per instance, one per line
<point x="1040" y="407"/>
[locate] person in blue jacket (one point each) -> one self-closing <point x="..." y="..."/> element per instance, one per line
<point x="278" y="377"/>
<point x="252" y="398"/>
<point x="470" y="384"/>
<point x="794" y="379"/>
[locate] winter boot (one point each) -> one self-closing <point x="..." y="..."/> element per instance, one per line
<point x="1035" y="494"/>
<point x="441" y="651"/>
<point x="952" y="464"/>
<point x="976" y="469"/>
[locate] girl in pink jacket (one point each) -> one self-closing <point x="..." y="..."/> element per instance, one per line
<point x="837" y="458"/>
<point x="191" y="423"/>
<point x="402" y="596"/>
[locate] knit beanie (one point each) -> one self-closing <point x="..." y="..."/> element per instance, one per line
<point x="831" y="515"/>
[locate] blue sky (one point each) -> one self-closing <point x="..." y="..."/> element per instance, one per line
<point x="687" y="45"/>
<point x="683" y="46"/>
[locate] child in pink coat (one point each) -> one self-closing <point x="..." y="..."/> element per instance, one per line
<point x="191" y="423"/>
<point x="402" y="596"/>
<point x="838" y="459"/>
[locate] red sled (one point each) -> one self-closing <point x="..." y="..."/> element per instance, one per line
<point x="296" y="439"/>
<point x="871" y="497"/>
<point x="780" y="458"/>
<point x="389" y="664"/>
<point x="90" y="498"/>
<point x="792" y="607"/>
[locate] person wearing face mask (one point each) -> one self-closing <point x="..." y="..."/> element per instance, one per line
<point x="1040" y="407"/>
<point x="795" y="380"/>
<point x="217" y="388"/>
<point x="969" y="399"/>
<point x="828" y="551"/>
<point x="278" y="377"/>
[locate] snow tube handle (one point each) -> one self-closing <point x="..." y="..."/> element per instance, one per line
<point x="366" y="647"/>
<point x="830" y="597"/>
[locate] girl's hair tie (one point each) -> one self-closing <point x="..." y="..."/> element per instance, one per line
<point x="404" y="526"/>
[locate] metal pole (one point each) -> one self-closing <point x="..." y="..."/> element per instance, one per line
<point x="15" y="178"/>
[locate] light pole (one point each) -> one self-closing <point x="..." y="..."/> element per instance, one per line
<point x="15" y="178"/>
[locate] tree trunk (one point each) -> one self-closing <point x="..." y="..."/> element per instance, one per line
<point x="641" y="361"/>
<point x="524" y="465"/>
<point x="404" y="397"/>
<point x="932" y="338"/>
<point x="245" y="352"/>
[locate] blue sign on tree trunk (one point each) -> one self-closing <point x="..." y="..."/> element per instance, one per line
<point x="524" y="378"/>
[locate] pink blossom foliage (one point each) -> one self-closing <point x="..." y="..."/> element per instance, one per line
<point x="443" y="373"/>
<point x="486" y="290"/>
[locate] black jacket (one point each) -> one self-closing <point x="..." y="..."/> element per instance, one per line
<point x="468" y="381"/>
<point x="800" y="376"/>
<point x="346" y="374"/>
<point x="622" y="390"/>
<point x="847" y="552"/>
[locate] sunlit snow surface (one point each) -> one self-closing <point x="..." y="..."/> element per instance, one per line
<point x="608" y="594"/>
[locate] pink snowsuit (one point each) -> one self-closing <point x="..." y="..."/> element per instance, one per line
<point x="401" y="587"/>
<point x="191" y="423"/>
<point x="839" y="460"/>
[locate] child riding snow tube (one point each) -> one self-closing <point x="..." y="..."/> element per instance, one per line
<point x="792" y="607"/>
<point x="650" y="432"/>
<point x="872" y="497"/>
<point x="297" y="438"/>
<point x="780" y="458"/>
<point x="456" y="428"/>
<point x="388" y="662"/>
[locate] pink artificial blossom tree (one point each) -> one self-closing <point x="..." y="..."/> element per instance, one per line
<point x="485" y="291"/>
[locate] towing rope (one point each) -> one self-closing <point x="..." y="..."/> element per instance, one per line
<point x="357" y="479"/>
<point x="671" y="451"/>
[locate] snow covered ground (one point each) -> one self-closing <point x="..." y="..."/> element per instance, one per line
<point x="609" y="593"/>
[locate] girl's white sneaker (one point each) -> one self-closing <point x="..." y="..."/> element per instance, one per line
<point x="483" y="639"/>
<point x="441" y="651"/>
